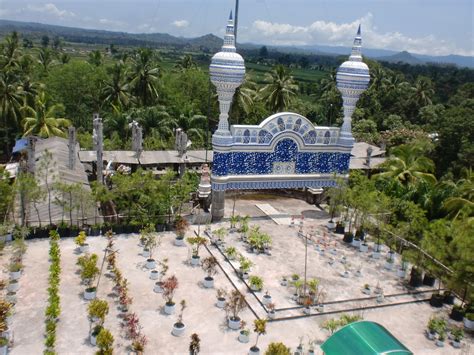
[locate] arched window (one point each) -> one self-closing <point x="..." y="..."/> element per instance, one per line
<point x="246" y="136"/>
<point x="327" y="137"/>
<point x="264" y="136"/>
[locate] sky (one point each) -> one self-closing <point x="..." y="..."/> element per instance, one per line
<point x="433" y="27"/>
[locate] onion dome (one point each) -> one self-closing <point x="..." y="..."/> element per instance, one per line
<point x="352" y="80"/>
<point x="227" y="72"/>
<point x="227" y="68"/>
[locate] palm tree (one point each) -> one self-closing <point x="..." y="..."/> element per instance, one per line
<point x="408" y="165"/>
<point x="186" y="63"/>
<point x="144" y="77"/>
<point x="422" y="91"/>
<point x="194" y="126"/>
<point x="10" y="53"/>
<point x="116" y="90"/>
<point x="41" y="120"/>
<point x="244" y="100"/>
<point x="45" y="59"/>
<point x="11" y="100"/>
<point x="280" y="89"/>
<point x="117" y="121"/>
<point x="95" y="58"/>
<point x="463" y="201"/>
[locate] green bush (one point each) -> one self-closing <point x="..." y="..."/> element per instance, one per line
<point x="277" y="349"/>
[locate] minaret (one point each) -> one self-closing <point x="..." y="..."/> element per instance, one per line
<point x="98" y="146"/>
<point x="352" y="79"/>
<point x="227" y="72"/>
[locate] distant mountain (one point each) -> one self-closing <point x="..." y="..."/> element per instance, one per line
<point x="211" y="43"/>
<point x="403" y="57"/>
<point x="79" y="35"/>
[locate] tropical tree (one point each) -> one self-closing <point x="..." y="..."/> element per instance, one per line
<point x="186" y="63"/>
<point x="45" y="59"/>
<point x="41" y="120"/>
<point x="116" y="89"/>
<point x="144" y="77"/>
<point x="95" y="58"/>
<point x="408" y="165"/>
<point x="280" y="89"/>
<point x="10" y="54"/>
<point x="463" y="199"/>
<point x="422" y="91"/>
<point x="11" y="100"/>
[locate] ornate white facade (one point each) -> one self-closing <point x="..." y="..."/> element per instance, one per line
<point x="286" y="150"/>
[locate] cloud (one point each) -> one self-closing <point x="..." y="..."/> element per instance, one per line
<point x="111" y="23"/>
<point x="180" y="23"/>
<point x="50" y="9"/>
<point x="147" y="28"/>
<point x="331" y="33"/>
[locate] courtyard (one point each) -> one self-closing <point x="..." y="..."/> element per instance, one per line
<point x="402" y="311"/>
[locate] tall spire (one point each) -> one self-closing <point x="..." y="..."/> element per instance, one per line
<point x="356" y="54"/>
<point x="227" y="71"/>
<point x="229" y="38"/>
<point x="352" y="80"/>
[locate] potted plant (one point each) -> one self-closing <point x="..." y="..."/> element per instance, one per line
<point x="278" y="349"/>
<point x="6" y="232"/>
<point x="209" y="265"/>
<point x="220" y="234"/>
<point x="95" y="333"/>
<point x="256" y="283"/>
<point x="105" y="342"/>
<point x="182" y="226"/>
<point x="11" y="297"/>
<point x="80" y="241"/>
<point x="271" y="310"/>
<point x="260" y="328"/>
<point x="469" y="321"/>
<point x="441" y="338"/>
<point x="297" y="284"/>
<point x="194" y="345"/>
<point x="235" y="304"/>
<point x="458" y="335"/>
<point x="3" y="346"/>
<point x="234" y="219"/>
<point x="307" y="302"/>
<point x="15" y="270"/>
<point x="448" y="297"/>
<point x="179" y="327"/>
<point x="169" y="287"/>
<point x="231" y="253"/>
<point x="364" y="247"/>
<point x="267" y="299"/>
<point x="340" y="227"/>
<point x="436" y="300"/>
<point x="244" y="333"/>
<point x="154" y="274"/>
<point x="457" y="313"/>
<point x="366" y="289"/>
<point x="196" y="242"/>
<point x="97" y="311"/>
<point x="245" y="265"/>
<point x="13" y="286"/>
<point x="221" y="293"/>
<point x="138" y="344"/>
<point x="284" y="281"/>
<point x="88" y="274"/>
<point x="164" y="269"/>
<point x="432" y="328"/>
<point x="416" y="277"/>
<point x="388" y="263"/>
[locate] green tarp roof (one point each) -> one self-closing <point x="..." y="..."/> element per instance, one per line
<point x="363" y="338"/>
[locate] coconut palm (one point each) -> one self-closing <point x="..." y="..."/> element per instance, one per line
<point x="280" y="89"/>
<point x="95" y="58"/>
<point x="45" y="59"/>
<point x="144" y="77"/>
<point x="41" y="121"/>
<point x="11" y="100"/>
<point x="10" y="54"/>
<point x="463" y="201"/>
<point x="408" y="165"/>
<point x="186" y="63"/>
<point x="116" y="90"/>
<point x="422" y="91"/>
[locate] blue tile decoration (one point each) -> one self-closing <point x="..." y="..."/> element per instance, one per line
<point x="260" y="163"/>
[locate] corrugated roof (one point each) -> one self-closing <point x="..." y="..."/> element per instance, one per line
<point x="366" y="338"/>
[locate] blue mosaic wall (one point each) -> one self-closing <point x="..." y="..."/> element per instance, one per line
<point x="259" y="163"/>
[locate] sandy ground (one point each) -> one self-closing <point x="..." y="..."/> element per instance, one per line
<point x="407" y="322"/>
